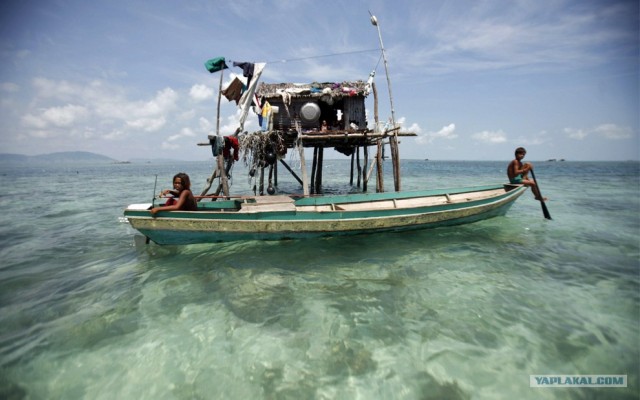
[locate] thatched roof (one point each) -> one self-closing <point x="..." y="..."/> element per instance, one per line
<point x="315" y="89"/>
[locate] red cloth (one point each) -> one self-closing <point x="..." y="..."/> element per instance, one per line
<point x="231" y="142"/>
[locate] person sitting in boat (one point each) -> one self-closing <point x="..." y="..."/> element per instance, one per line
<point x="182" y="197"/>
<point x="517" y="173"/>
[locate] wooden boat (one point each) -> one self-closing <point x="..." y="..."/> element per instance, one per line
<point x="290" y="217"/>
<point x="318" y="116"/>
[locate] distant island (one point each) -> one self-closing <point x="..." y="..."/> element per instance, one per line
<point x="58" y="158"/>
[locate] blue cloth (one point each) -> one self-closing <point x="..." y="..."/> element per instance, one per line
<point x="217" y="145"/>
<point x="516" y="179"/>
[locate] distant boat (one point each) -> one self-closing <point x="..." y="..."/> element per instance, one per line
<point x="552" y="160"/>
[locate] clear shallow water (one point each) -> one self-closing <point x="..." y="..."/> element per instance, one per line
<point x="463" y="312"/>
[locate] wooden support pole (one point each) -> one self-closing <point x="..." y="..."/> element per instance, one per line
<point x="364" y="169"/>
<point x="210" y="180"/>
<point x="395" y="158"/>
<point x="226" y="170"/>
<point x="213" y="176"/>
<point x="220" y="160"/>
<point x="319" y="171"/>
<point x="379" y="169"/>
<point x="358" y="164"/>
<point x="303" y="166"/>
<point x="314" y="163"/>
<point x="380" y="145"/>
<point x="291" y="171"/>
<point x="353" y="155"/>
<point x="275" y="174"/>
<point x="261" y="187"/>
<point x="395" y="155"/>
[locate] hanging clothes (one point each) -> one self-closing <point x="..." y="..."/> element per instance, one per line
<point x="215" y="64"/>
<point x="231" y="142"/>
<point x="217" y="145"/>
<point x="247" y="70"/>
<point x="233" y="92"/>
<point x="257" y="108"/>
<point x="266" y="116"/>
<point x="247" y="97"/>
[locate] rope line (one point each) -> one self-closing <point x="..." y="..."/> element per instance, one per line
<point x="321" y="56"/>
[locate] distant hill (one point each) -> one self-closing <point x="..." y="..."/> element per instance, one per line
<point x="60" y="157"/>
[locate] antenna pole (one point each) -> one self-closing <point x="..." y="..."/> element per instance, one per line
<point x="374" y="22"/>
<point x="393" y="141"/>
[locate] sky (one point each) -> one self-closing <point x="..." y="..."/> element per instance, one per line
<point x="474" y="79"/>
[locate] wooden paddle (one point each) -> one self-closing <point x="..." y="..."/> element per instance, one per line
<point x="542" y="203"/>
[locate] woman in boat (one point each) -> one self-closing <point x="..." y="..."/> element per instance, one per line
<point x="182" y="197"/>
<point x="517" y="173"/>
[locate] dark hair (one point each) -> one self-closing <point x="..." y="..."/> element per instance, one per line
<point x="186" y="182"/>
<point x="520" y="150"/>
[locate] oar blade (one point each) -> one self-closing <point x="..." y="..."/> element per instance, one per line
<point x="545" y="211"/>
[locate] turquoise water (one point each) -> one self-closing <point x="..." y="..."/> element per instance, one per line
<point x="467" y="312"/>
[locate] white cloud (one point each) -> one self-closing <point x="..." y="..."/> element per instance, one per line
<point x="578" y="134"/>
<point x="105" y="101"/>
<point x="490" y="137"/>
<point x="147" y="124"/>
<point x="164" y="101"/>
<point x="187" y="132"/>
<point x="173" y="138"/>
<point x="205" y="125"/>
<point x="60" y="117"/>
<point x="446" y="132"/>
<point x="201" y="92"/>
<point x="42" y="134"/>
<point x="34" y="121"/>
<point x="414" y="128"/>
<point x="170" y="142"/>
<point x="9" y="87"/>
<point x="170" y="146"/>
<point x="497" y="35"/>
<point x="187" y="115"/>
<point x="65" y="116"/>
<point x="612" y="131"/>
<point x="115" y="134"/>
<point x="112" y="115"/>
<point x="117" y="106"/>
<point x="608" y="131"/>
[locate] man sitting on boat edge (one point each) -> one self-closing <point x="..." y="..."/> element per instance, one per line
<point x="517" y="173"/>
<point x="182" y="191"/>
